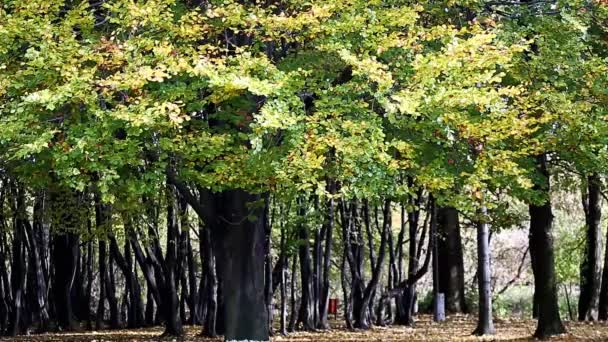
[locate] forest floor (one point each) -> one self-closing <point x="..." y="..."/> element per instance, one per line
<point x="456" y="328"/>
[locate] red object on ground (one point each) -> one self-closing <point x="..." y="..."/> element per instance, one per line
<point x="333" y="306"/>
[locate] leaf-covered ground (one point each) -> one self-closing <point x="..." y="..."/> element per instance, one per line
<point x="457" y="328"/>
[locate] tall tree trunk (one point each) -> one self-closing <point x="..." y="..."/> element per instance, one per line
<point x="173" y="322"/>
<point x="65" y="258"/>
<point x="329" y="222"/>
<point x="485" y="323"/>
<point x="5" y="290"/>
<point x="293" y="318"/>
<point x="239" y="235"/>
<point x="209" y="280"/>
<point x="193" y="299"/>
<point x="306" y="314"/>
<point x="590" y="272"/>
<point x="541" y="248"/>
<point x="111" y="295"/>
<point x="451" y="262"/>
<point x="33" y="233"/>
<point x="102" y="222"/>
<point x="268" y="263"/>
<point x="90" y="278"/>
<point x="283" y="284"/>
<point x="19" y="264"/>
<point x="241" y="251"/>
<point x="438" y="305"/>
<point x="406" y="317"/>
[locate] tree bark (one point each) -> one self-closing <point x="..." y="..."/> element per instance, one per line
<point x="329" y="222"/>
<point x="19" y="263"/>
<point x="170" y="302"/>
<point x="541" y="249"/>
<point x="305" y="315"/>
<point x="485" y="323"/>
<point x="65" y="258"/>
<point x="451" y="262"/>
<point x="590" y="271"/>
<point x="241" y="251"/>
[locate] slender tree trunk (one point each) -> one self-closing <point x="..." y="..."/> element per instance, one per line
<point x="329" y="222"/>
<point x="292" y="295"/>
<point x="209" y="280"/>
<point x="193" y="306"/>
<point x="590" y="273"/>
<point x="111" y="295"/>
<point x="19" y="264"/>
<point x="90" y="279"/>
<point x="5" y="290"/>
<point x="36" y="263"/>
<point x="409" y="296"/>
<point x="305" y="315"/>
<point x="268" y="292"/>
<point x="284" y="265"/>
<point x="211" y="286"/>
<point x="485" y="323"/>
<point x="438" y="300"/>
<point x="541" y="247"/>
<point x="102" y="223"/>
<point x="173" y="323"/>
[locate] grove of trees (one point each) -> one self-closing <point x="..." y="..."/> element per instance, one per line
<point x="235" y="164"/>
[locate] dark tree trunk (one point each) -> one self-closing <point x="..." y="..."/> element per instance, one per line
<point x="65" y="258"/>
<point x="451" y="263"/>
<point x="90" y="279"/>
<point x="181" y="278"/>
<point x="292" y="295"/>
<point x="406" y="314"/>
<point x="65" y="255"/>
<point x="36" y="262"/>
<point x="209" y="280"/>
<point x="135" y="317"/>
<point x="268" y="264"/>
<point x="193" y="306"/>
<point x="283" y="284"/>
<point x="102" y="222"/>
<point x="306" y="313"/>
<point x="149" y="315"/>
<point x="541" y="248"/>
<point x="170" y="301"/>
<point x="102" y="281"/>
<point x="362" y="319"/>
<point x="154" y="299"/>
<point x="399" y="308"/>
<point x="438" y="304"/>
<point x="319" y="233"/>
<point x="324" y="296"/>
<point x="18" y="265"/>
<point x="485" y="323"/>
<point x="111" y="295"/>
<point x="590" y="272"/>
<point x="241" y="251"/>
<point x="603" y="300"/>
<point x="211" y="287"/>
<point x="5" y="290"/>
